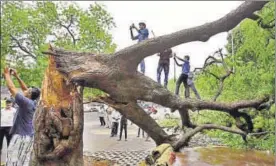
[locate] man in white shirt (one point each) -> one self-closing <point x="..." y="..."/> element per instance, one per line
<point x="115" y="117"/>
<point x="7" y="115"/>
<point x="101" y="115"/>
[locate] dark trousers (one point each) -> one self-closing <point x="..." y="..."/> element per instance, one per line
<point x="143" y="66"/>
<point x="102" y="121"/>
<point x="4" y="132"/>
<point x="166" y="68"/>
<point x="123" y="127"/>
<point x="183" y="79"/>
<point x="142" y="132"/>
<point x="114" y="129"/>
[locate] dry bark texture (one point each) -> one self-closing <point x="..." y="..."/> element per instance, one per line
<point x="116" y="75"/>
<point x="58" y="121"/>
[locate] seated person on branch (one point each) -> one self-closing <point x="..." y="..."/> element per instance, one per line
<point x="143" y="34"/>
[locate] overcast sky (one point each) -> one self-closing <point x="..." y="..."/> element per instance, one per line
<point x="165" y="17"/>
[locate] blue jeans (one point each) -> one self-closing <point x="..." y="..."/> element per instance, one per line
<point x="142" y="66"/>
<point x="166" y="68"/>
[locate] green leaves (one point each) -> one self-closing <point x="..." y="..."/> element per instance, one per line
<point x="34" y="25"/>
<point x="254" y="77"/>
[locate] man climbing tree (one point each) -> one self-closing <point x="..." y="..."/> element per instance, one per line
<point x="143" y="34"/>
<point x="184" y="75"/>
<point x="164" y="64"/>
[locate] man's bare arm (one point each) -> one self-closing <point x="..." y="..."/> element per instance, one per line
<point x="179" y="58"/>
<point x="9" y="82"/>
<point x="176" y="62"/>
<point x="21" y="82"/>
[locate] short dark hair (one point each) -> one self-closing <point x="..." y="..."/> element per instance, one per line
<point x="8" y="101"/>
<point x="35" y="93"/>
<point x="188" y="57"/>
<point x="142" y="23"/>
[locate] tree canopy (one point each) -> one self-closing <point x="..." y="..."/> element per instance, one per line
<point x="28" y="27"/>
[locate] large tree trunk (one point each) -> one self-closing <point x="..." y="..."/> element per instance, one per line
<point x="58" y="122"/>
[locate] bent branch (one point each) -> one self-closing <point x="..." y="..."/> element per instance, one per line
<point x="186" y="137"/>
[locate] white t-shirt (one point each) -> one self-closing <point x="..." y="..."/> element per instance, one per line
<point x="115" y="115"/>
<point x="7" y="117"/>
<point x="101" y="112"/>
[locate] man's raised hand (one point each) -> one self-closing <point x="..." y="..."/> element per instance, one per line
<point x="13" y="72"/>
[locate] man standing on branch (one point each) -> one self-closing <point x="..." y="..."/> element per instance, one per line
<point x="184" y="75"/>
<point x="20" y="147"/>
<point x="143" y="34"/>
<point x="164" y="63"/>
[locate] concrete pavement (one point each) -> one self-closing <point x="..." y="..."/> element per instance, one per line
<point x="97" y="138"/>
<point x="98" y="143"/>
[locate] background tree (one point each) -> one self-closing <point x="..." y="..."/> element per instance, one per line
<point x="253" y="63"/>
<point x="28" y="27"/>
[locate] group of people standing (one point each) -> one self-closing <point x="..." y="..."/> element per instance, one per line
<point x="186" y="76"/>
<point x="110" y="118"/>
<point x="113" y="119"/>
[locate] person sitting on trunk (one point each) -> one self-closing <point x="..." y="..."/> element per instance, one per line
<point x="191" y="84"/>
<point x="7" y="115"/>
<point x="123" y="126"/>
<point x="101" y="115"/>
<point x="184" y="75"/>
<point x="143" y="34"/>
<point x="115" y="115"/>
<point x="164" y="63"/>
<point x="20" y="147"/>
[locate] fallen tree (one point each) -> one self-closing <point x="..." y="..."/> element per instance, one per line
<point x="117" y="76"/>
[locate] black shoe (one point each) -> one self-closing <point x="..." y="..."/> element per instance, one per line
<point x="125" y="139"/>
<point x="138" y="136"/>
<point x="119" y="140"/>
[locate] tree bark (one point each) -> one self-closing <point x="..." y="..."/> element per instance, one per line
<point x="58" y="122"/>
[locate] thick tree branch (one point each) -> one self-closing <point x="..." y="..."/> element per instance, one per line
<point x="219" y="78"/>
<point x="134" y="54"/>
<point x="186" y="137"/>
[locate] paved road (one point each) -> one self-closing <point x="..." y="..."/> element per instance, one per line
<point x="97" y="138"/>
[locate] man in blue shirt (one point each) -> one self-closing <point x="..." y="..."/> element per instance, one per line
<point x="20" y="147"/>
<point x="184" y="75"/>
<point x="143" y="34"/>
